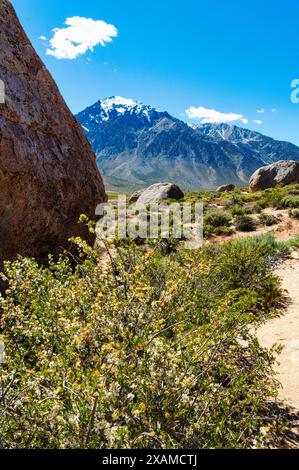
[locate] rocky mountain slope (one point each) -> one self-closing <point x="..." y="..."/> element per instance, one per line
<point x="48" y="173"/>
<point x="269" y="149"/>
<point x="136" y="146"/>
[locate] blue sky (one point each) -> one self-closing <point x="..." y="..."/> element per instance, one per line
<point x="229" y="56"/>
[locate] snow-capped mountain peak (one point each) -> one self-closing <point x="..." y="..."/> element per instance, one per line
<point x="115" y="107"/>
<point x="119" y="105"/>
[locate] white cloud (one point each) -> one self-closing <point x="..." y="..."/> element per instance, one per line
<point x="208" y="116"/>
<point x="244" y="120"/>
<point x="257" y="121"/>
<point x="80" y="35"/>
<point x="43" y="38"/>
<point x="260" y="111"/>
<point x="274" y="110"/>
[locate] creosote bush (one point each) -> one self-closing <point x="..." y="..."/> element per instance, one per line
<point x="142" y="350"/>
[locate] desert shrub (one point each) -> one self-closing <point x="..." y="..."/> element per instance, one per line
<point x="268" y="198"/>
<point x="292" y="189"/>
<point x="265" y="243"/>
<point x="141" y="351"/>
<point x="268" y="219"/>
<point x="256" y="209"/>
<point x="291" y="201"/>
<point x="217" y="218"/>
<point x="250" y="197"/>
<point x="210" y="231"/>
<point x="294" y="213"/>
<point x="168" y="245"/>
<point x="248" y="209"/>
<point x="206" y="197"/>
<point x="241" y="210"/>
<point x="229" y="200"/>
<point x="292" y="242"/>
<point x="227" y="231"/>
<point x="245" y="223"/>
<point x="260" y="205"/>
<point x="237" y="210"/>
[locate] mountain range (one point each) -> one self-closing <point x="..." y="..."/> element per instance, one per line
<point x="136" y="145"/>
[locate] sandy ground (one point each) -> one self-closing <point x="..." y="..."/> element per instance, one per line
<point x="285" y="331"/>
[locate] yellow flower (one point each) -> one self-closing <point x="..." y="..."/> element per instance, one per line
<point x="142" y="406"/>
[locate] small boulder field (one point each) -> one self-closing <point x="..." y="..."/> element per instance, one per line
<point x="234" y="213"/>
<point x="269" y="205"/>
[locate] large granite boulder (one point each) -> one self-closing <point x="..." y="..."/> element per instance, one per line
<point x="283" y="172"/>
<point x="135" y="196"/>
<point x="226" y="188"/>
<point x="48" y="173"/>
<point x="159" y="192"/>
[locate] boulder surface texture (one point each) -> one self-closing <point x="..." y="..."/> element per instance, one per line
<point x="226" y="188"/>
<point x="159" y="192"/>
<point x="48" y="173"/>
<point x="283" y="172"/>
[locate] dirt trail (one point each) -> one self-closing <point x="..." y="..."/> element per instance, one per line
<point x="285" y="331"/>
